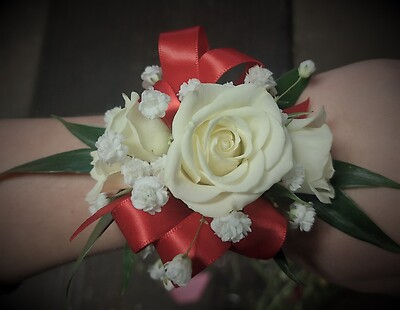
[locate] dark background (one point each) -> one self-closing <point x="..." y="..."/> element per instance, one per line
<point x="74" y="58"/>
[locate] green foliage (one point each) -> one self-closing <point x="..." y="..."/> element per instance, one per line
<point x="278" y="191"/>
<point x="76" y="161"/>
<point x="345" y="215"/>
<point x="351" y="176"/>
<point x="289" y="88"/>
<point x="281" y="261"/>
<point x="87" y="134"/>
<point x="100" y="228"/>
<point x="129" y="259"/>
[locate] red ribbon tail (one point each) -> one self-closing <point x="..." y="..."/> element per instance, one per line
<point x="300" y="107"/>
<point x="103" y="211"/>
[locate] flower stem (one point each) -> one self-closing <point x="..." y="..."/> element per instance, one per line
<point x="202" y="221"/>
<point x="287" y="90"/>
<point x="121" y="193"/>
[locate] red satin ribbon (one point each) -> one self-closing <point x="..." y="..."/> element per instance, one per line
<point x="172" y="231"/>
<point x="184" y="55"/>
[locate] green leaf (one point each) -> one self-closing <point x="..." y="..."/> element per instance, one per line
<point x="285" y="84"/>
<point x="128" y="262"/>
<point x="345" y="215"/>
<point x="99" y="229"/>
<point x="281" y="261"/>
<point x="279" y="191"/>
<point x="87" y="134"/>
<point x="351" y="176"/>
<point x="76" y="161"/>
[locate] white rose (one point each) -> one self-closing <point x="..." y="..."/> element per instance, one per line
<point x="312" y="141"/>
<point x="229" y="147"/>
<point x="146" y="139"/>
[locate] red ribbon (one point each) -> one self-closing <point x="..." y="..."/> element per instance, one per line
<point x="184" y="55"/>
<point x="172" y="231"/>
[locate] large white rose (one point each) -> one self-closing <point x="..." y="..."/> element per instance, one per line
<point x="229" y="147"/>
<point x="146" y="139"/>
<point x="312" y="141"/>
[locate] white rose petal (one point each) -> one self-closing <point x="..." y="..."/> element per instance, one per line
<point x="312" y="142"/>
<point x="188" y="87"/>
<point x="99" y="203"/>
<point x="301" y="216"/>
<point x="306" y="68"/>
<point x="133" y="169"/>
<point x="150" y="76"/>
<point x="179" y="270"/>
<point x="154" y="103"/>
<point x="149" y="194"/>
<point x="148" y="138"/>
<point x="285" y="118"/>
<point x="229" y="146"/>
<point x="261" y="77"/>
<point x="110" y="147"/>
<point x="232" y="227"/>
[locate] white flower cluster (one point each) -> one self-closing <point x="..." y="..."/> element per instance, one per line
<point x="294" y="178"/>
<point x="188" y="87"/>
<point x="157" y="272"/>
<point x="261" y="77"/>
<point x="232" y="227"/>
<point x="306" y="68"/>
<point x="99" y="203"/>
<point x="149" y="194"/>
<point x="154" y="103"/>
<point x="178" y="271"/>
<point x="150" y="76"/>
<point x="110" y="147"/>
<point x="301" y="216"/>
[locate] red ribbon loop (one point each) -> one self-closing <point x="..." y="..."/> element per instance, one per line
<point x="141" y="228"/>
<point x="184" y="55"/>
<point x="179" y="53"/>
<point x="173" y="230"/>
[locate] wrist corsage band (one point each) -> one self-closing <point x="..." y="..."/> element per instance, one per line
<point x="206" y="167"/>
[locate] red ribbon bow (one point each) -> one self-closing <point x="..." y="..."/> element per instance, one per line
<point x="184" y="55"/>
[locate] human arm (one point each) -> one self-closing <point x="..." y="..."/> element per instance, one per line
<point x="39" y="212"/>
<point x="362" y="104"/>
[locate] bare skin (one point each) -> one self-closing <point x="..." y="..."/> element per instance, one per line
<point x="39" y="212"/>
<point x="362" y="104"/>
